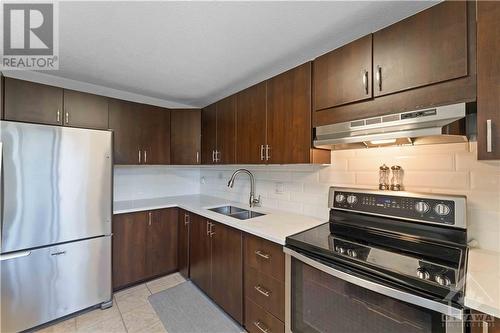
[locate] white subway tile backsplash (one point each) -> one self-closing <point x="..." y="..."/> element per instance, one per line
<point x="447" y="169"/>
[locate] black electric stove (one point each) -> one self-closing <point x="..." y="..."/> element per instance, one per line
<point x="416" y="242"/>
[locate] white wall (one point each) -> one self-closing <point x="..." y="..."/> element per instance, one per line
<point x="449" y="168"/>
<point x="143" y="182"/>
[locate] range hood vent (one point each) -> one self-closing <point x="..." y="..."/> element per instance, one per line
<point x="441" y="124"/>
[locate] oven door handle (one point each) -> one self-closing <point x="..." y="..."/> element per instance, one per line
<point x="376" y="287"/>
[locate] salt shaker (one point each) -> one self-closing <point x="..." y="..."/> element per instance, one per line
<point x="383" y="180"/>
<point x="397" y="177"/>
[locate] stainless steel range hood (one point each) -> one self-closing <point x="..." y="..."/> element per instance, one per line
<point x="426" y="126"/>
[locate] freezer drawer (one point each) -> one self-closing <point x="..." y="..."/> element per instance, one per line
<point x="44" y="284"/>
<point x="57" y="184"/>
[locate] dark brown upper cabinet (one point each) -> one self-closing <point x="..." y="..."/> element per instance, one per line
<point x="141" y="133"/>
<point x="155" y="134"/>
<point x="209" y="134"/>
<point x="218" y="132"/>
<point x="273" y="121"/>
<point x="185" y="137"/>
<point x="32" y="102"/>
<point x="424" y="49"/>
<point x="251" y="125"/>
<point x="226" y="126"/>
<point x="488" y="80"/>
<point x="289" y="131"/>
<point x="344" y="75"/>
<point x="85" y="110"/>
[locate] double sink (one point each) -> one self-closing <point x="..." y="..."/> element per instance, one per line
<point x="238" y="213"/>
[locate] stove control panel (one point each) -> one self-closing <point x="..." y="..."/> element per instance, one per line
<point x="434" y="209"/>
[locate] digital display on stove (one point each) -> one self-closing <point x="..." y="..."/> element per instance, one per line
<point x="421" y="209"/>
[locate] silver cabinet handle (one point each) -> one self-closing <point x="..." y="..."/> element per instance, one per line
<point x="262" y="290"/>
<point x="489" y="147"/>
<point x="208" y="228"/>
<point x="145" y="156"/>
<point x="379" y="78"/>
<point x="139" y="156"/>
<point x="197" y="157"/>
<point x="211" y="227"/>
<point x="149" y="218"/>
<point x="261" y="152"/>
<point x="14" y="255"/>
<point x="186" y="219"/>
<point x="213" y="155"/>
<point x="365" y="81"/>
<point x="261" y="327"/>
<point x="262" y="254"/>
<point x="66" y="117"/>
<point x="58" y="115"/>
<point x="486" y="326"/>
<point x="217" y="156"/>
<point x="268" y="154"/>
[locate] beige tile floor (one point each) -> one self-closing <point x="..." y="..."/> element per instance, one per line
<point x="131" y="312"/>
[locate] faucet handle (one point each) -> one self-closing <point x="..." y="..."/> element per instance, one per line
<point x="256" y="201"/>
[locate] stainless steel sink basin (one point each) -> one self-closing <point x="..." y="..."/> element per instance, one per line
<point x="238" y="213"/>
<point x="227" y="210"/>
<point x="246" y="215"/>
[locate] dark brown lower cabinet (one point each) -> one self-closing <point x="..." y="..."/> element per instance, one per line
<point x="144" y="245"/>
<point x="216" y="264"/>
<point x="482" y="323"/>
<point x="183" y="241"/>
<point x="162" y="241"/>
<point x="258" y="320"/>
<point x="129" y="248"/>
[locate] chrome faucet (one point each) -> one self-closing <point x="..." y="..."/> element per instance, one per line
<point x="252" y="201"/>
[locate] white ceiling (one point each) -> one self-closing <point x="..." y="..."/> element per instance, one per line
<point x="194" y="53"/>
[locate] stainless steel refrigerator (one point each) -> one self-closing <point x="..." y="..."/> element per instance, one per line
<point x="55" y="202"/>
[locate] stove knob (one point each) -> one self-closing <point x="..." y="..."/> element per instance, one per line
<point x="339" y="249"/>
<point x="422" y="207"/>
<point x="339" y="198"/>
<point x="423" y="274"/>
<point x="351" y="199"/>
<point x="442" y="209"/>
<point x="352" y="253"/>
<point x="442" y="280"/>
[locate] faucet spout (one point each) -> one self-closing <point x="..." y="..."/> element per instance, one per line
<point x="252" y="200"/>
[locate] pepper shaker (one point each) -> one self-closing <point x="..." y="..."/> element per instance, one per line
<point x="397" y="177"/>
<point x="383" y="181"/>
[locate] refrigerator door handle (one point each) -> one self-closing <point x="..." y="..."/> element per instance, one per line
<point x="14" y="255"/>
<point x="1" y="194"/>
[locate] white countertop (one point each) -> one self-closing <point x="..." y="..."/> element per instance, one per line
<point x="482" y="289"/>
<point x="483" y="271"/>
<point x="274" y="226"/>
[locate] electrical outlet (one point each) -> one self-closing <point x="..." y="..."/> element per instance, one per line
<point x="279" y="188"/>
<point x="203" y="180"/>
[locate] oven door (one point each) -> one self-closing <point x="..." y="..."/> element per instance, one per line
<point x="324" y="298"/>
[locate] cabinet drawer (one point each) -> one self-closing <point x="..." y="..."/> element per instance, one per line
<point x="267" y="292"/>
<point x="257" y="320"/>
<point x="265" y="256"/>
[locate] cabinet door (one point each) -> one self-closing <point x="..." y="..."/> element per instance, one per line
<point x="289" y="116"/>
<point x="162" y="241"/>
<point x="32" y="102"/>
<point x="426" y="48"/>
<point x="185" y="137"/>
<point x="227" y="256"/>
<point x="483" y="323"/>
<point x="344" y="75"/>
<point x="125" y="120"/>
<point x="226" y="127"/>
<point x="130" y="235"/>
<point x="488" y="80"/>
<point x="85" y="110"/>
<point x="183" y="249"/>
<point x="251" y="124"/>
<point x="200" y="253"/>
<point x="155" y="138"/>
<point x="208" y="134"/>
